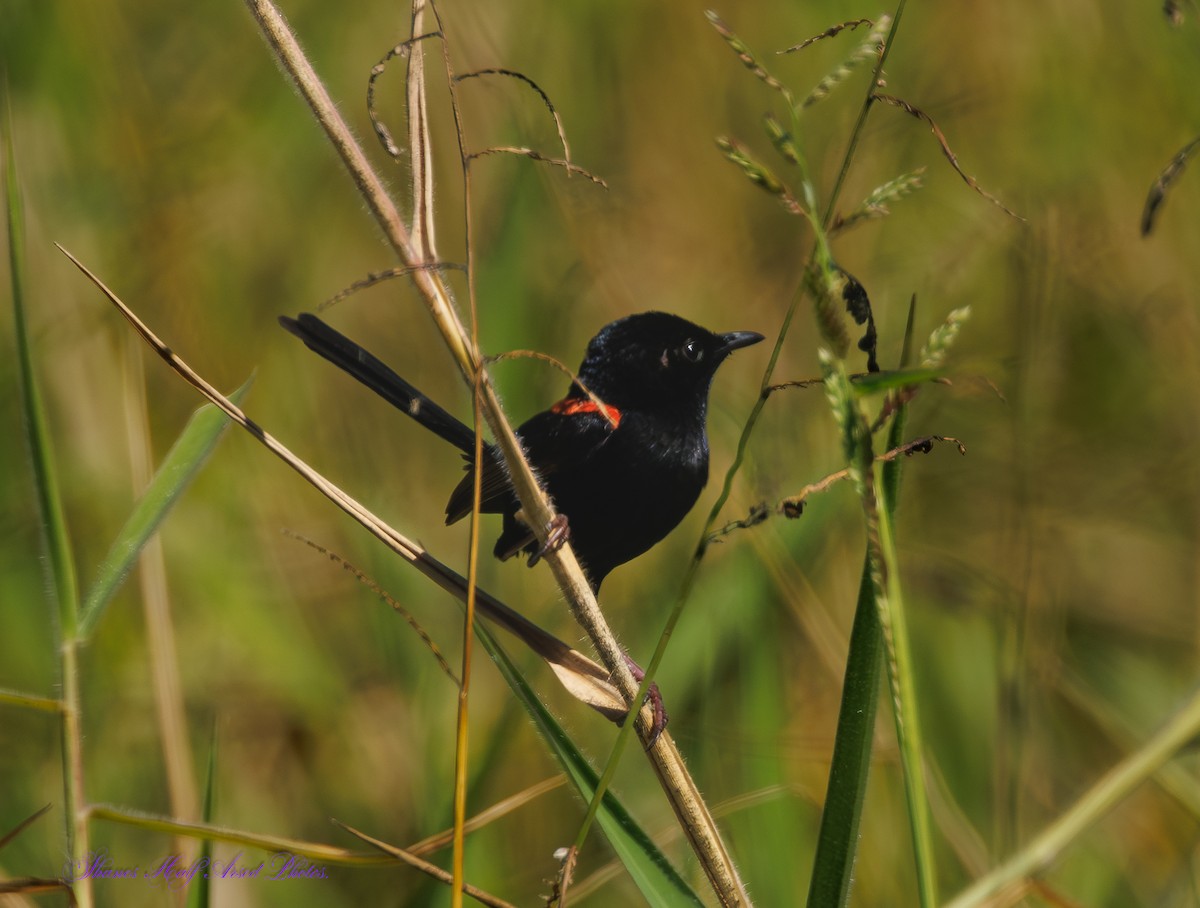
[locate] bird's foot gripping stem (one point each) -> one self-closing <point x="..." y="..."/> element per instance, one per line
<point x="654" y="698"/>
<point x="558" y="532"/>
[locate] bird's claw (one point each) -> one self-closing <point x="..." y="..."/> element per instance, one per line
<point x="654" y="697"/>
<point x="557" y="533"/>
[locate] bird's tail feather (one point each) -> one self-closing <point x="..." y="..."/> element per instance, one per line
<point x="352" y="358"/>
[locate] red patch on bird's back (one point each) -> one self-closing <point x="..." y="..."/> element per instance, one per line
<point x="573" y="405"/>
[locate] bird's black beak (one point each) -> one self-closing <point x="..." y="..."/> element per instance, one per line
<point x="735" y="340"/>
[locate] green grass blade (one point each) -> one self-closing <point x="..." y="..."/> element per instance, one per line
<point x="200" y="895"/>
<point x="59" y="557"/>
<point x="178" y="469"/>
<point x="649" y="868"/>
<point x="833" y="863"/>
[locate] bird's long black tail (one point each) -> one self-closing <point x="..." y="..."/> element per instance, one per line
<point x="352" y="358"/>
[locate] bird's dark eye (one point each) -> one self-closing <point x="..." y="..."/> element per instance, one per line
<point x="692" y="351"/>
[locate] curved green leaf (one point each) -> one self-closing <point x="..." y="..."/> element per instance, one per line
<point x="178" y="469"/>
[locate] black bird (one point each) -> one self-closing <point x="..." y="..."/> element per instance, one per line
<point x="624" y="472"/>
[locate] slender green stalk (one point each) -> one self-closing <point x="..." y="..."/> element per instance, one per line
<point x="58" y="547"/>
<point x="464" y="687"/>
<point x="72" y="745"/>
<point x="894" y="623"/>
<point x="868" y="102"/>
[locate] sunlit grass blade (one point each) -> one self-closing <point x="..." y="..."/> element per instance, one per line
<point x="30" y="701"/>
<point x="1117" y="784"/>
<point x="649" y="868"/>
<point x="178" y="469"/>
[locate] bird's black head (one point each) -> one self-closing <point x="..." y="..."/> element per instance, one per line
<point x="655" y="360"/>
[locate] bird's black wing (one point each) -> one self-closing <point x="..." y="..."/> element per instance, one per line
<point x="496" y="493"/>
<point x="558" y="447"/>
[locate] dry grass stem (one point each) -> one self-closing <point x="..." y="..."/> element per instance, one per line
<point x="441" y="307"/>
<point x="24" y="824"/>
<point x="400" y="50"/>
<point x="500" y="809"/>
<point x="871" y="48"/>
<point x="32" y="885"/>
<point x="431" y="870"/>
<point x="793" y="506"/>
<point x="512" y="74"/>
<point x="909" y="109"/>
<point x="830" y="32"/>
<point x="362" y="577"/>
<point x="378" y="277"/>
<point x="540" y="158"/>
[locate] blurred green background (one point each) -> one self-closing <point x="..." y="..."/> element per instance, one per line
<point x="1051" y="573"/>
